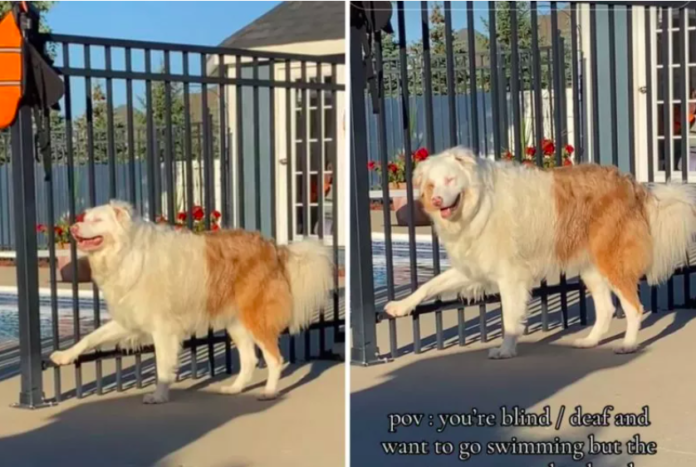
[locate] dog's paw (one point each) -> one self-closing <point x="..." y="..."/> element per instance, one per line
<point x="500" y="353"/>
<point x="155" y="398"/>
<point x="585" y="343"/>
<point x="268" y="396"/>
<point x="625" y="349"/>
<point x="231" y="389"/>
<point x="398" y="308"/>
<point x="62" y="357"/>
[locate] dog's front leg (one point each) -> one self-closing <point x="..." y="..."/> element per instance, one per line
<point x="449" y="281"/>
<point x="514" y="297"/>
<point x="110" y="333"/>
<point x="167" y="359"/>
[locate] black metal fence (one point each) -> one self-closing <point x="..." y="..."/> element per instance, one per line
<point x="266" y="110"/>
<point x="594" y="103"/>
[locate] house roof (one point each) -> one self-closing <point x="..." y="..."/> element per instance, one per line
<point x="290" y="23"/>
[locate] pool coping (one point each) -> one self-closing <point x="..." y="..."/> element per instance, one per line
<point x="46" y="292"/>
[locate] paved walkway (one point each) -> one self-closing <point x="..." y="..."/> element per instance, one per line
<point x="547" y="372"/>
<point x="199" y="428"/>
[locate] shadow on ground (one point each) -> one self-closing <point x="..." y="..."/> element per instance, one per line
<point x="122" y="432"/>
<point x="458" y="382"/>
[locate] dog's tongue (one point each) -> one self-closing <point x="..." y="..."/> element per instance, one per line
<point x="445" y="213"/>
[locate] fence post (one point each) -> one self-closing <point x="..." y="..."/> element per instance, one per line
<point x="31" y="394"/>
<point x="362" y="296"/>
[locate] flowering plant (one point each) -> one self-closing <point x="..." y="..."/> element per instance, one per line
<point x="548" y="149"/>
<point x="198" y="215"/>
<point x="61" y="229"/>
<point x="397" y="169"/>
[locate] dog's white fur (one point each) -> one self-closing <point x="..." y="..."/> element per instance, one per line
<point x="154" y="281"/>
<point x="500" y="236"/>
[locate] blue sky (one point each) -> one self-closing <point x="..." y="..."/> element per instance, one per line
<point x="199" y="23"/>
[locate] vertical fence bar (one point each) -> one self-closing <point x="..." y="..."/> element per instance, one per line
<point x="595" y="83"/>
<point x="150" y="143"/>
<point x="169" y="141"/>
<point x="473" y="89"/>
<point x="494" y="84"/>
<point x="558" y="92"/>
<point x="650" y="123"/>
<point x="239" y="116"/>
<point x="272" y="145"/>
<point x="405" y="121"/>
<point x="50" y="214"/>
<point x="188" y="156"/>
<point x="336" y="223"/>
<point x="71" y="212"/>
<point x="225" y="177"/>
<point x="539" y="133"/>
<point x="92" y="190"/>
<point x="451" y="94"/>
<point x="290" y="168"/>
<point x="31" y="384"/>
<point x="131" y="131"/>
<point x="306" y="178"/>
<point x="666" y="118"/>
<point x="684" y="127"/>
<point x="386" y="199"/>
<point x="514" y="81"/>
<point x="363" y="325"/>
<point x="257" y="145"/>
<point x="111" y="154"/>
<point x="612" y="87"/>
<point x="208" y="179"/>
<point x="577" y="110"/>
<point x="629" y="84"/>
<point x="320" y="122"/>
<point x="430" y="144"/>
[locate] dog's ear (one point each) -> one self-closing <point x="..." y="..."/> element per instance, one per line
<point x="122" y="210"/>
<point x="464" y="156"/>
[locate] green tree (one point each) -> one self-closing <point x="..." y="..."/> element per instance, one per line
<point x="43" y="8"/>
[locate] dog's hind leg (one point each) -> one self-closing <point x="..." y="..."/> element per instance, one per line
<point x="449" y="281"/>
<point x="604" y="308"/>
<point x="247" y="357"/>
<point x="167" y="359"/>
<point x="271" y="354"/>
<point x="514" y="297"/>
<point x="630" y="302"/>
<point x="111" y="332"/>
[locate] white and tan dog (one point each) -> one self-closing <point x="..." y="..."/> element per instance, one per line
<point x="506" y="226"/>
<point x="162" y="285"/>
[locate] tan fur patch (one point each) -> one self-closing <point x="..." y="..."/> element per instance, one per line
<point x="601" y="212"/>
<point x="247" y="274"/>
<point x="426" y="197"/>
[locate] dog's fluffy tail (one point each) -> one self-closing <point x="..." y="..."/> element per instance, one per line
<point x="672" y="217"/>
<point x="310" y="271"/>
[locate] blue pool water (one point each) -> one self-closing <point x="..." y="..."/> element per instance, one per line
<point x="9" y="318"/>
<point x="402" y="263"/>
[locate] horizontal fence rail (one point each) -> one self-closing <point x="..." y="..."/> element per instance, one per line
<point x="250" y="139"/>
<point x="589" y="77"/>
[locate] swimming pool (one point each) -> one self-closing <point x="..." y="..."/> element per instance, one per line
<point x="9" y="318"/>
<point x="402" y="263"/>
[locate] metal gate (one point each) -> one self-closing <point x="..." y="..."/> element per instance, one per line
<point x="590" y="77"/>
<point x="171" y="128"/>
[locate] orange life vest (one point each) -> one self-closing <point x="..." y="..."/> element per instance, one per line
<point x="11" y="72"/>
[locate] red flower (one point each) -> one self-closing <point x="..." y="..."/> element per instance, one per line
<point x="80" y="217"/>
<point x="548" y="147"/>
<point x="421" y="154"/>
<point x="372" y="165"/>
<point x="181" y="216"/>
<point x="215" y="227"/>
<point x="507" y="155"/>
<point x="531" y="150"/>
<point x="58" y="230"/>
<point x="198" y="213"/>
<point x="567" y="162"/>
<point x="569" y="149"/>
<point x="40" y="228"/>
<point x="216" y="214"/>
<point x="393" y="168"/>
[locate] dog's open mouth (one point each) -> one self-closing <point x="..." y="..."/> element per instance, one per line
<point x="447" y="212"/>
<point x="91" y="243"/>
